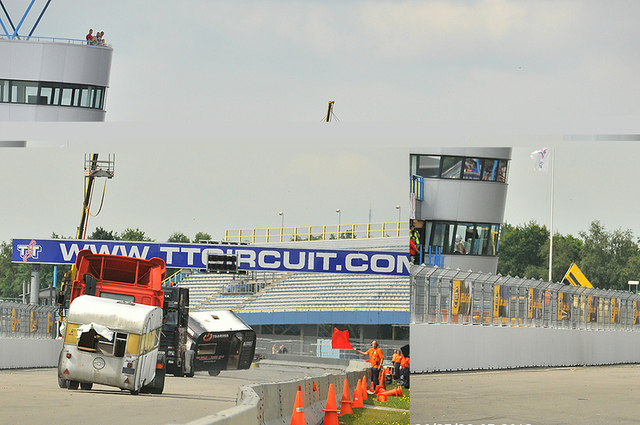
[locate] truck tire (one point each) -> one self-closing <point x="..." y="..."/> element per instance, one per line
<point x="156" y="386"/>
<point x="63" y="383"/>
<point x="189" y="366"/>
<point x="86" y="385"/>
<point x="73" y="385"/>
<point x="214" y="372"/>
<point x="179" y="371"/>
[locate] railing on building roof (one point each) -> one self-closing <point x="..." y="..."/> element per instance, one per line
<point x="54" y="40"/>
<point x="312" y="233"/>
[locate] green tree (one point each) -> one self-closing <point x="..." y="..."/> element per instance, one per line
<point x="566" y="251"/>
<point x="202" y="236"/>
<point x="178" y="237"/>
<point x="12" y="275"/>
<point x="522" y="251"/>
<point x="609" y="258"/>
<point x="133" y="235"/>
<point x="99" y="234"/>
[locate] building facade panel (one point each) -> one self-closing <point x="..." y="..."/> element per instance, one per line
<point x="55" y="61"/>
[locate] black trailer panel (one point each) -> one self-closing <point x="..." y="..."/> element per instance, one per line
<point x="220" y="340"/>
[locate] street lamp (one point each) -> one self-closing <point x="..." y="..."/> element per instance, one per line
<point x="281" y="214"/>
<point x="339" y="220"/>
<point x="399" y="212"/>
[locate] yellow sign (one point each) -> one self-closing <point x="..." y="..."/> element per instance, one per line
<point x="576" y="278"/>
<point x="615" y="311"/>
<point x="15" y="320"/>
<point x="461" y="300"/>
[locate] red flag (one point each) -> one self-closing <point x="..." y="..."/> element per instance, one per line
<point x="340" y="339"/>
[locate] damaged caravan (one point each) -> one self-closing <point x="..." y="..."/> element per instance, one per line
<point x="110" y="342"/>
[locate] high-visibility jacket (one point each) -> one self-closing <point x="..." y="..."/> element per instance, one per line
<point x="375" y="357"/>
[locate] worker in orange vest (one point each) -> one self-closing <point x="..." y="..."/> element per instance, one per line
<point x="404" y="371"/>
<point x="396" y="359"/>
<point x="376" y="356"/>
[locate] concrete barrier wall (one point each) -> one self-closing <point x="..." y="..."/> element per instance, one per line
<point x="20" y="353"/>
<point x="272" y="403"/>
<point x="469" y="347"/>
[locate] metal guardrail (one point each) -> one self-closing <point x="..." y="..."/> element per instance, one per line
<point x="53" y="40"/>
<point x="466" y="297"/>
<point x="27" y="321"/>
<point x="325" y="232"/>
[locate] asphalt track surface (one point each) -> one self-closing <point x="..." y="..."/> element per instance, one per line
<point x="32" y="396"/>
<point x="579" y="395"/>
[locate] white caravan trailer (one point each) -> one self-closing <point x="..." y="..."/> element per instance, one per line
<point x="110" y="342"/>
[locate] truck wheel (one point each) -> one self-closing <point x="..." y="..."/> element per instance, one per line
<point x="86" y="385"/>
<point x="134" y="392"/>
<point x="63" y="383"/>
<point x="73" y="385"/>
<point x="179" y="372"/>
<point x="156" y="386"/>
<point x="214" y="372"/>
<point x="190" y="373"/>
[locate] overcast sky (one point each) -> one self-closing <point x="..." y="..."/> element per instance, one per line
<point x="593" y="180"/>
<point x="214" y="111"/>
<point x="192" y="187"/>
<point x="380" y="61"/>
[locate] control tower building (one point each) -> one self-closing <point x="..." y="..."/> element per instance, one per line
<point x="459" y="197"/>
<point x="51" y="79"/>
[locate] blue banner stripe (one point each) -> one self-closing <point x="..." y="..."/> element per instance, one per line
<point x="63" y="251"/>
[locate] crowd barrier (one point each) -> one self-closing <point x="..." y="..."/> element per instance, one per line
<point x="27" y="321"/>
<point x="466" y="297"/>
<point x="272" y="403"/>
<point x="464" y="320"/>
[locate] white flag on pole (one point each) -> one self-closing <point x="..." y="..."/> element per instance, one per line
<point x="541" y="159"/>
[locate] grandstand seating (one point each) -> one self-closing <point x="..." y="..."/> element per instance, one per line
<point x="299" y="291"/>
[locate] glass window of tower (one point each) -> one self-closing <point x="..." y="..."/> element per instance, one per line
<point x="451" y="167"/>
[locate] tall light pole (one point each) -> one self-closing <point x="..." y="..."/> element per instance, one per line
<point x="399" y="214"/>
<point x="281" y="214"/>
<point x="339" y="220"/>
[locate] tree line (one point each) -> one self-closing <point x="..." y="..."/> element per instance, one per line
<point x="609" y="259"/>
<point x="13" y="275"/>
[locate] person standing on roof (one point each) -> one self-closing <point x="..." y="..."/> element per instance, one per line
<point x="376" y="356"/>
<point x="90" y="37"/>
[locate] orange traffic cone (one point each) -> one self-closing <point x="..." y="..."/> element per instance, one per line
<point x="331" y="411"/>
<point x="297" y="418"/>
<point x="363" y="388"/>
<point x="396" y="392"/>
<point x="381" y="397"/>
<point x="357" y="396"/>
<point x="345" y="403"/>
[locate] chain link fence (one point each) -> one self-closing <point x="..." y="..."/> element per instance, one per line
<point x="466" y="297"/>
<point x="27" y="321"/>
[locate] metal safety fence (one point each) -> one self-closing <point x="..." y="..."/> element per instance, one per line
<point x="465" y="297"/>
<point x="324" y="232"/>
<point x="27" y="321"/>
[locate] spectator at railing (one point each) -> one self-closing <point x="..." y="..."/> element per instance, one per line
<point x="90" y="37"/>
